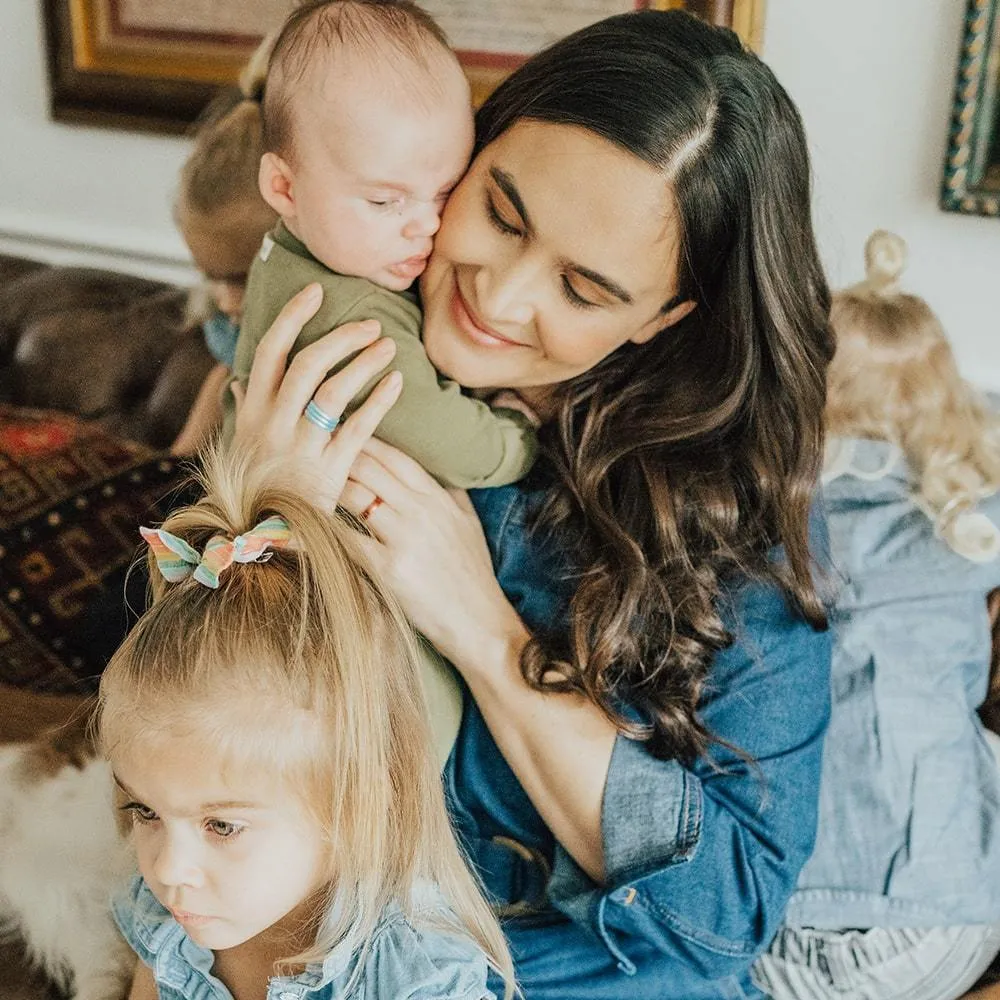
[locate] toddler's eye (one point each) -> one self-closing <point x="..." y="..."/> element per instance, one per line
<point x="223" y="830"/>
<point x="139" y="812"/>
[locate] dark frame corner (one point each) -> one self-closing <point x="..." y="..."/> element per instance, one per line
<point x="971" y="182"/>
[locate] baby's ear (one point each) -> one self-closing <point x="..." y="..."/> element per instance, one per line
<point x="275" y="182"/>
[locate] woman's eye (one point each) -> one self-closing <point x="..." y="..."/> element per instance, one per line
<point x="498" y="221"/>
<point x="574" y="297"/>
<point x="223" y="830"/>
<point x="139" y="812"/>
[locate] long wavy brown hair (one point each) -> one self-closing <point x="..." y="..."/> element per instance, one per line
<point x="681" y="464"/>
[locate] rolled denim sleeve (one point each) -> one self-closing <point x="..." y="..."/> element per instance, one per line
<point x="701" y="861"/>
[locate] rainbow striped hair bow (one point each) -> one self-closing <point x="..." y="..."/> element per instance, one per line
<point x="177" y="560"/>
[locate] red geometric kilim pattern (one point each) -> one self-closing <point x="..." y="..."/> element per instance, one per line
<point x="72" y="497"/>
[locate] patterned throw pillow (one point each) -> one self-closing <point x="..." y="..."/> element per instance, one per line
<point x="72" y="497"/>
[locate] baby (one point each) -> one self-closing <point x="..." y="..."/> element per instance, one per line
<point x="367" y="128"/>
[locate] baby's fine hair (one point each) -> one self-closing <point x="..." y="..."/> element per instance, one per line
<point x="894" y="378"/>
<point x="303" y="668"/>
<point x="392" y="34"/>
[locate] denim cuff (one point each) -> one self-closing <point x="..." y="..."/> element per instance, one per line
<point x="650" y="820"/>
<point x="651" y="815"/>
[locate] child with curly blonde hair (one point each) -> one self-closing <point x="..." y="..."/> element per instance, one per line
<point x="901" y="898"/>
<point x="267" y="732"/>
<point x="894" y="378"/>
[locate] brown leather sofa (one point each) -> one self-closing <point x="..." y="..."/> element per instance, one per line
<point x="101" y="345"/>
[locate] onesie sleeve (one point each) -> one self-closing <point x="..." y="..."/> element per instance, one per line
<point x="459" y="440"/>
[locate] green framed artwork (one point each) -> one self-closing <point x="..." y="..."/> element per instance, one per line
<point x="972" y="166"/>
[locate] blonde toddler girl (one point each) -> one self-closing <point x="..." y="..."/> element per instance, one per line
<point x="266" y="728"/>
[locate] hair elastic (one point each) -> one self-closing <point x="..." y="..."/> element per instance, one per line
<point x="176" y="560"/>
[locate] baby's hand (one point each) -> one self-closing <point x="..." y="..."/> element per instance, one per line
<point x="507" y="399"/>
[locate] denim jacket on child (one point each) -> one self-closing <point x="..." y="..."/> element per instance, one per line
<point x="909" y="827"/>
<point x="403" y="962"/>
<point x="700" y="860"/>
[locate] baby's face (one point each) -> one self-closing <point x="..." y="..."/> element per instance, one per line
<point x="369" y="185"/>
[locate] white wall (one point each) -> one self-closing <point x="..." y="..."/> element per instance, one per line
<point x="63" y="184"/>
<point x="873" y="79"/>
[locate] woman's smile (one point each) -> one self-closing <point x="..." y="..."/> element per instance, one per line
<point x="467" y="322"/>
<point x="536" y="275"/>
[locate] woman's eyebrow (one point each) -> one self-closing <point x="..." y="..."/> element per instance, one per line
<point x="611" y="287"/>
<point x="505" y="182"/>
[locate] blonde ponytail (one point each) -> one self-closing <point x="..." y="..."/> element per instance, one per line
<point x="885" y="260"/>
<point x="894" y="378"/>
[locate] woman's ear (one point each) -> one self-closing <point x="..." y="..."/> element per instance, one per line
<point x="663" y="320"/>
<point x="274" y="178"/>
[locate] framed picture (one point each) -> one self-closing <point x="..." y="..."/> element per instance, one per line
<point x="494" y="38"/>
<point x="972" y="165"/>
<point x="155" y="64"/>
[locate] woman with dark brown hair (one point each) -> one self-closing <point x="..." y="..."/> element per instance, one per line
<point x="643" y="650"/>
<point x="642" y="645"/>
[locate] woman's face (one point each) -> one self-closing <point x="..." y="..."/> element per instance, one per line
<point x="555" y="249"/>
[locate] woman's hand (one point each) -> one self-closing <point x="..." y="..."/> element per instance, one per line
<point x="431" y="550"/>
<point x="269" y="413"/>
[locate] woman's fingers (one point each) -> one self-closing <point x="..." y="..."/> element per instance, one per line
<point x="309" y="368"/>
<point x="239" y="396"/>
<point x="346" y="444"/>
<point x="272" y="351"/>
<point x="404" y="468"/>
<point x="461" y="497"/>
<point x="382" y="481"/>
<point x="334" y="395"/>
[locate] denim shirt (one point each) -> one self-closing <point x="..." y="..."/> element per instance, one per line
<point x="221" y="334"/>
<point x="700" y="861"/>
<point x="403" y="962"/>
<point x="909" y="831"/>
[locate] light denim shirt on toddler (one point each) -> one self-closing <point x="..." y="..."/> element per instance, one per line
<point x="404" y="962"/>
<point x="909" y="823"/>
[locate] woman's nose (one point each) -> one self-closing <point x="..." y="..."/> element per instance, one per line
<point x="507" y="291"/>
<point x="175" y="862"/>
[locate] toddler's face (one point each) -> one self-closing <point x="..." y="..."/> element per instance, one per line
<point x="369" y="187"/>
<point x="228" y="854"/>
<point x="223" y="244"/>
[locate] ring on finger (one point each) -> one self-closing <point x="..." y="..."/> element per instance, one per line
<point x="371" y="508"/>
<point x="318" y="417"/>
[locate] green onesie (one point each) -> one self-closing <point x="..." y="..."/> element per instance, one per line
<point x="459" y="440"/>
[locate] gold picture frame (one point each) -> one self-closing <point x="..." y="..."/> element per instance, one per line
<point x="107" y="70"/>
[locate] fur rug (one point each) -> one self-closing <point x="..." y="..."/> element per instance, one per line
<point x="60" y="857"/>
